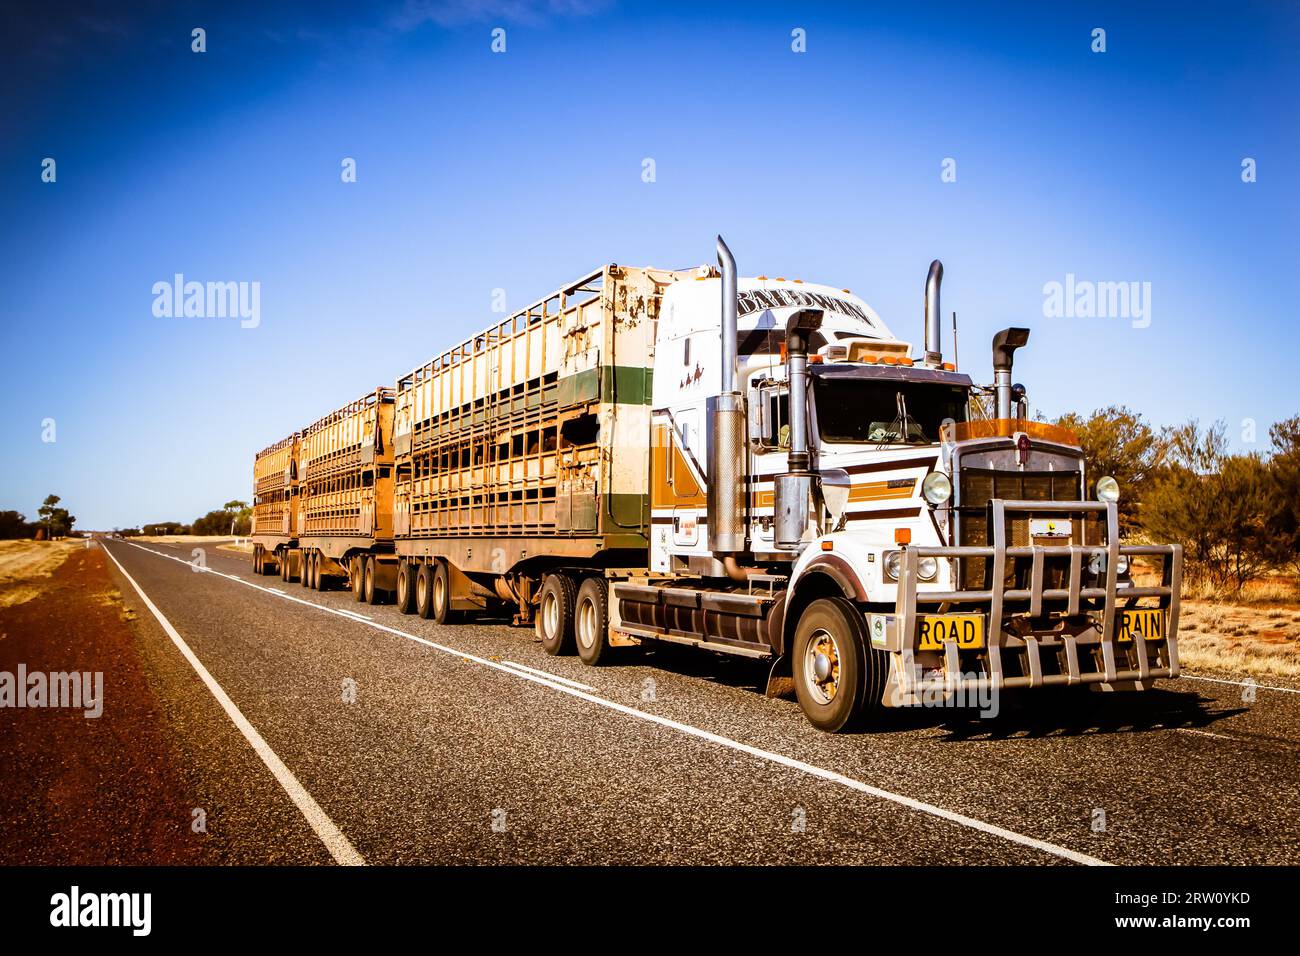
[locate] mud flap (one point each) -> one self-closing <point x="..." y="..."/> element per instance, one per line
<point x="780" y="679"/>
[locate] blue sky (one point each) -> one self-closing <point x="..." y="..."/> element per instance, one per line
<point x="522" y="170"/>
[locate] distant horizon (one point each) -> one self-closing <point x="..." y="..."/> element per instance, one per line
<point x="368" y="184"/>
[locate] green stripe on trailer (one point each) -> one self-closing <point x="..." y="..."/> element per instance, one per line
<point x="624" y="384"/>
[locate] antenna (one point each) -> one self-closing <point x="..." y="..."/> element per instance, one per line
<point x="954" y="341"/>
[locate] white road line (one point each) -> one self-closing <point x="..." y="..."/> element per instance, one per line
<point x="1243" y="683"/>
<point x="541" y="673"/>
<point x="338" y="845"/>
<point x="791" y="763"/>
<point x="1205" y="733"/>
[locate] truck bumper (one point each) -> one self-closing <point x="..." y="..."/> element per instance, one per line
<point x="1034" y="635"/>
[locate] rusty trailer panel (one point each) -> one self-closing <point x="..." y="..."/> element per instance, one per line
<point x="275" y="481"/>
<point x="346" y="473"/>
<point x="531" y="439"/>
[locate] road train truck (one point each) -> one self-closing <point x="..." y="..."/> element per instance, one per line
<point x="749" y="466"/>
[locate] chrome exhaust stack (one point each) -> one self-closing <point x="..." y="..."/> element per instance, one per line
<point x="793" y="490"/>
<point x="727" y="485"/>
<point x="1005" y="344"/>
<point x="933" y="350"/>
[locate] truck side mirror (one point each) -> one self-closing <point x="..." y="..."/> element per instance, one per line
<point x="835" y="485"/>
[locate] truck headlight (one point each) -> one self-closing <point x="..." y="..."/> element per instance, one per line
<point x="1107" y="489"/>
<point x="927" y="569"/>
<point x="936" y="488"/>
<point x="893" y="559"/>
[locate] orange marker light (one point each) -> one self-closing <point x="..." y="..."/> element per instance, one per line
<point x="902" y="536"/>
<point x="828" y="545"/>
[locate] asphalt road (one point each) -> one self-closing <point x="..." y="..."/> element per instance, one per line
<point x="406" y="742"/>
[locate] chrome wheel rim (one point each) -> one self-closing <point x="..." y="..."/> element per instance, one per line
<point x="439" y="594"/>
<point x="550" y="614"/>
<point x="587" y="624"/>
<point x="821" y="666"/>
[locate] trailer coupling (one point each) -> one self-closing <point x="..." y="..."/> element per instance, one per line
<point x="1038" y="622"/>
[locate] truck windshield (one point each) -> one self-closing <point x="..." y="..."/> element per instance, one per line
<point x="855" y="411"/>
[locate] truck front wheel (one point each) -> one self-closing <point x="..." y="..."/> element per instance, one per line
<point x="838" y="677"/>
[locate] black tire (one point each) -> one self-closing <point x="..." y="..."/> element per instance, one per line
<point x="282" y="558"/>
<point x="304" y="568"/>
<point x="406" y="587"/>
<point x="257" y="559"/>
<point x="357" y="578"/>
<point x="854" y="682"/>
<point x="424" y="591"/>
<point x="591" y="622"/>
<point x="317" y="578"/>
<point x="373" y="594"/>
<point x="440" y="597"/>
<point x="554" y="622"/>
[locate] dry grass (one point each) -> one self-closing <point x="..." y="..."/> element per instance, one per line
<point x="25" y="565"/>
<point x="1271" y="590"/>
<point x="1243" y="639"/>
<point x="212" y="539"/>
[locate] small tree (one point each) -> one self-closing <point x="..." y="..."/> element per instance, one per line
<point x="14" y="524"/>
<point x="1284" y="494"/>
<point x="1216" y="505"/>
<point x="1117" y="441"/>
<point x="56" y="521"/>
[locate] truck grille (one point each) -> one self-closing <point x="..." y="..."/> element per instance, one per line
<point x="979" y="486"/>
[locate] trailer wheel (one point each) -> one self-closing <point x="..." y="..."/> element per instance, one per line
<point x="405" y="587"/>
<point x="591" y="622"/>
<point x="424" y="590"/>
<point x="304" y="568"/>
<point x="441" y="596"/>
<point x="357" y="578"/>
<point x="372" y="594"/>
<point x="282" y="558"/>
<point x="257" y="559"/>
<point x="317" y="578"/>
<point x="555" y="614"/>
<point x="838" y="676"/>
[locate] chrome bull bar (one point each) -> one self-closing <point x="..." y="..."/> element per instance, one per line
<point x="902" y="637"/>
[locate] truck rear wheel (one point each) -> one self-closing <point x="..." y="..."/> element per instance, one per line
<point x="357" y="578"/>
<point x="257" y="559"/>
<point x="441" y="596"/>
<point x="317" y="577"/>
<point x="372" y="593"/>
<point x="424" y="590"/>
<point x="591" y="622"/>
<point x="283" y="557"/>
<point x="838" y="676"/>
<point x="406" y="587"/>
<point x="304" y="568"/>
<point x="555" y="614"/>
